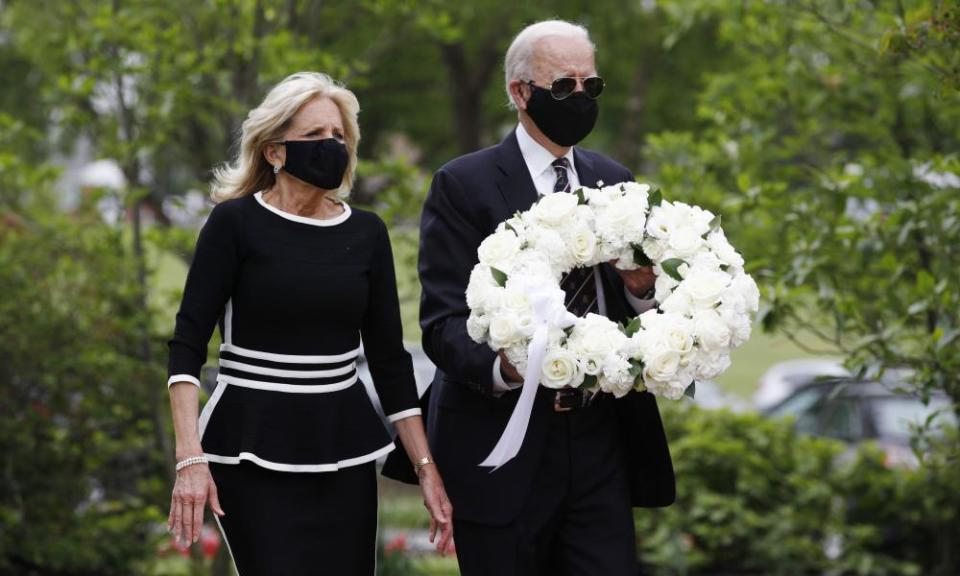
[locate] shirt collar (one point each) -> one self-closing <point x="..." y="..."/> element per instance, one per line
<point x="537" y="158"/>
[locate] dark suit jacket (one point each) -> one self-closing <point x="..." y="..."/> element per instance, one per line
<point x="469" y="197"/>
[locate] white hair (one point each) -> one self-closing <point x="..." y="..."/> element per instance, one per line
<point x="249" y="172"/>
<point x="518" y="64"/>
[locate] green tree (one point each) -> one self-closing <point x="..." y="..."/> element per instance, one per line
<point x="833" y="159"/>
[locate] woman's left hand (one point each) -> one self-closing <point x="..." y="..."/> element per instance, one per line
<point x="441" y="511"/>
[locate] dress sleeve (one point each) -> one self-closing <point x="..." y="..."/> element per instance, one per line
<point x="209" y="286"/>
<point x="382" y="331"/>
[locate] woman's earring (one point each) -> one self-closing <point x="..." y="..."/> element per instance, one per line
<point x="276" y="169"/>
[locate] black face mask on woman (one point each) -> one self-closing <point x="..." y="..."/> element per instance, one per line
<point x="318" y="162"/>
<point x="564" y="122"/>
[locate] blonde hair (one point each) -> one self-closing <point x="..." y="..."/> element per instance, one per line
<point x="249" y="172"/>
<point x="518" y="63"/>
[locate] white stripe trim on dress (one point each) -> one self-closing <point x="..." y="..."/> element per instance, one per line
<point x="404" y="414"/>
<point x="303" y="219"/>
<point x="295" y="388"/>
<point x="227" y="542"/>
<point x="290" y="358"/>
<point x="209" y="406"/>
<point x="281" y="467"/>
<point x="288" y="373"/>
<point x="228" y="322"/>
<point x="183" y="378"/>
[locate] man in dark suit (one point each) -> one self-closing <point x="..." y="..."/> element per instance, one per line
<point x="563" y="505"/>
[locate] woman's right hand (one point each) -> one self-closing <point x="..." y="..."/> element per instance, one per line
<point x="193" y="488"/>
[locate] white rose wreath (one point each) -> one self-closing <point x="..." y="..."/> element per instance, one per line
<point x="706" y="300"/>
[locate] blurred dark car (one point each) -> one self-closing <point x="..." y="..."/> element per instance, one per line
<point x="856" y="411"/>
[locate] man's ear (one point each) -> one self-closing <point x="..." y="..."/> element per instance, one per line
<point x="519" y="92"/>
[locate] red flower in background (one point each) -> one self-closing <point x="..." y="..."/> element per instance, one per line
<point x="397" y="544"/>
<point x="209" y="541"/>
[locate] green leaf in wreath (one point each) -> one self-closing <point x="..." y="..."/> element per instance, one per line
<point x="589" y="381"/>
<point x="636" y="369"/>
<point x="499" y="277"/>
<point x="715" y="223"/>
<point x="691" y="390"/>
<point x="655" y="198"/>
<point x="510" y="228"/>
<point x="639" y="256"/>
<point x="672" y="267"/>
<point x="632" y="328"/>
<point x="582" y="199"/>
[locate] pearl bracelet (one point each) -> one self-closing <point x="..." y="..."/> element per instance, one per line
<point x="190" y="462"/>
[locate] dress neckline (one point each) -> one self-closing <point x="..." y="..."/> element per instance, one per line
<point x="304" y="219"/>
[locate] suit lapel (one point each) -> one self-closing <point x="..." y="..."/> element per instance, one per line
<point x="585" y="170"/>
<point x="514" y="180"/>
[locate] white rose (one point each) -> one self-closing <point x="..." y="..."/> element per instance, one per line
<point x="598" y="198"/>
<point x="705" y="286"/>
<point x="517" y="356"/>
<point x="477" y="326"/>
<point x="635" y="188"/>
<point x="709" y="366"/>
<point x="684" y="242"/>
<point x="532" y="264"/>
<point x="516" y="223"/>
<point x="498" y="250"/>
<point x="582" y="245"/>
<point x="677" y="336"/>
<point x="551" y="246"/>
<point x="663" y="286"/>
<point x="591" y="365"/>
<point x="717" y="242"/>
<point x="659" y="224"/>
<point x="662" y="366"/>
<point x="653" y="248"/>
<point x="747" y="288"/>
<point x="514" y="301"/>
<point x="560" y="369"/>
<point x="621" y="222"/>
<point x="504" y="331"/>
<point x="525" y="325"/>
<point x="739" y="324"/>
<point x="554" y="209"/>
<point x="671" y="390"/>
<point x="678" y="302"/>
<point x="712" y="332"/>
<point x="595" y="336"/>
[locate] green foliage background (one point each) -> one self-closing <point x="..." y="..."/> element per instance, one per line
<point x="826" y="132"/>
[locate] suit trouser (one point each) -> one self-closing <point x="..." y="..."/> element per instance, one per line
<point x="577" y="519"/>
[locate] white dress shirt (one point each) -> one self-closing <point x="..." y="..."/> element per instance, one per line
<point x="539" y="162"/>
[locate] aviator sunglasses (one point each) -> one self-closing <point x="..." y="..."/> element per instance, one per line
<point x="562" y="88"/>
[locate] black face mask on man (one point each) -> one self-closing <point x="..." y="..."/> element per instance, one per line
<point x="318" y="162"/>
<point x="565" y="122"/>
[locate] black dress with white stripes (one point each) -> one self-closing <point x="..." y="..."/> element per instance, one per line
<point x="293" y="297"/>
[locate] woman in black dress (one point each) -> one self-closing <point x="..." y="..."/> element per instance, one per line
<point x="285" y="448"/>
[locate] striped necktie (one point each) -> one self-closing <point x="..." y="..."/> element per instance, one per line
<point x="578" y="285"/>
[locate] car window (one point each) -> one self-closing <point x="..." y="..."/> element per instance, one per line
<point x="842" y="419"/>
<point x="798" y="404"/>
<point x="895" y="417"/>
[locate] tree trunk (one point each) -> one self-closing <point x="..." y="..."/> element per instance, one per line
<point x="467" y="84"/>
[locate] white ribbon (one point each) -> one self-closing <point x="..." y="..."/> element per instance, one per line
<point x="548" y="312"/>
